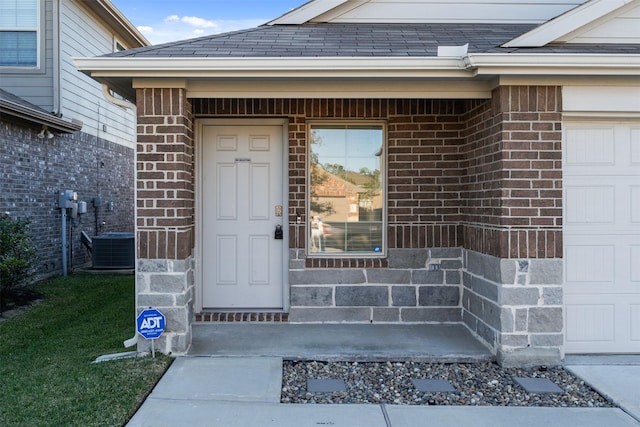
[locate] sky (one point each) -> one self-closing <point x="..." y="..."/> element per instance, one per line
<point x="162" y="21"/>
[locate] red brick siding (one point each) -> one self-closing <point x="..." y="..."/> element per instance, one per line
<point x="514" y="174"/>
<point x="483" y="174"/>
<point x="423" y="155"/>
<point x="165" y="185"/>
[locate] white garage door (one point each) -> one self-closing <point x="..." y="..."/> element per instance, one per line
<point x="602" y="237"/>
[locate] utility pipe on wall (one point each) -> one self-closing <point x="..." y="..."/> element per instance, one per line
<point x="64" y="241"/>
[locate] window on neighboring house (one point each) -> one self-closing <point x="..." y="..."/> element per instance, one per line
<point x="347" y="190"/>
<point x="19" y="33"/>
<point x="118" y="47"/>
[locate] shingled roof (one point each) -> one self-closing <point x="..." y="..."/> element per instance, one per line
<point x="357" y="40"/>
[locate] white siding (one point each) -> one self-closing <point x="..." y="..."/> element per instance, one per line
<point x="407" y="11"/>
<point x="83" y="35"/>
<point x="623" y="28"/>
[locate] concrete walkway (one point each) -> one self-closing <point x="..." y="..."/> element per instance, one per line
<point x="615" y="377"/>
<point x="234" y="381"/>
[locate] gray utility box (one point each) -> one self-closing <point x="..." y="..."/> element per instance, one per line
<point x="113" y="250"/>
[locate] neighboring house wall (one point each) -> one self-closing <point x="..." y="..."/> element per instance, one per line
<point x="474" y="216"/>
<point x="82" y="35"/>
<point x="96" y="161"/>
<point x="33" y="172"/>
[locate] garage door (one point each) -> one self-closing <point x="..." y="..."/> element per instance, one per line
<point x="601" y="175"/>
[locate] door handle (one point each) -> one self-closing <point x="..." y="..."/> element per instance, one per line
<point x="279" y="234"/>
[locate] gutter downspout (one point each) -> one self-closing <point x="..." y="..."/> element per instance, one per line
<point x="56" y="79"/>
<point x="129" y="106"/>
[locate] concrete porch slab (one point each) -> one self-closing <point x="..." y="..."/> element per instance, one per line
<point x="339" y="342"/>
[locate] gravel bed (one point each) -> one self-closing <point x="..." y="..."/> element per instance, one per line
<point x="482" y="384"/>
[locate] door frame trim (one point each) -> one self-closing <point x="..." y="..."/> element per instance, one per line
<point x="199" y="123"/>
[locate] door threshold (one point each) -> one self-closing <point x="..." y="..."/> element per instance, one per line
<point x="242" y="316"/>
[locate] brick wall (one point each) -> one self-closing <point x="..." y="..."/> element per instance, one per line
<point x="425" y="162"/>
<point x="493" y="166"/>
<point x="165" y="175"/>
<point x="165" y="207"/>
<point x="33" y="171"/>
<point x="513" y="161"/>
<point x="512" y="276"/>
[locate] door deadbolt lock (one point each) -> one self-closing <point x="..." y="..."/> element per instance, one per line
<point x="279" y="234"/>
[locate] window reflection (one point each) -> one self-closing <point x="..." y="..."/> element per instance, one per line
<point x="346" y="191"/>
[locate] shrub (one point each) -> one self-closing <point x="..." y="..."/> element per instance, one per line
<point x="17" y="255"/>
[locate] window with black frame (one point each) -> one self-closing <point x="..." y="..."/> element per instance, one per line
<point x="346" y="191"/>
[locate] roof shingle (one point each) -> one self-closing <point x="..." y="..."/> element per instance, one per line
<point x="337" y="40"/>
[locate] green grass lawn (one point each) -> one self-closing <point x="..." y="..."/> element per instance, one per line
<point x="46" y="374"/>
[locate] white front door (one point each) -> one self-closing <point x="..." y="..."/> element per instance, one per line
<point x="601" y="174"/>
<point x="242" y="204"/>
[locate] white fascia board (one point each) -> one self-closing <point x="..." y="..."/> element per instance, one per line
<point x="554" y="64"/>
<point x="329" y="88"/>
<point x="566" y="23"/>
<point x="307" y="12"/>
<point x="326" y="67"/>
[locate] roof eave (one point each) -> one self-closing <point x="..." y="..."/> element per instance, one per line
<point x="107" y="11"/>
<point x="555" y="64"/>
<point x="38" y="117"/>
<point x="334" y="66"/>
<point x="119" y="73"/>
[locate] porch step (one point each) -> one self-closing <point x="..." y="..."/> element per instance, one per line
<point x="448" y="343"/>
<point x="208" y="317"/>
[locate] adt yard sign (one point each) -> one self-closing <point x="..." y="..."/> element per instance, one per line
<point x="151" y="323"/>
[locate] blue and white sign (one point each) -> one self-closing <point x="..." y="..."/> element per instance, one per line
<point x="151" y="323"/>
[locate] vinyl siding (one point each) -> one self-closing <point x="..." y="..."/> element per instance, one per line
<point x="620" y="28"/>
<point x="83" y="35"/>
<point x="497" y="11"/>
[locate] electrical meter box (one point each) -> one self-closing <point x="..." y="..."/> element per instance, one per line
<point x="67" y="199"/>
